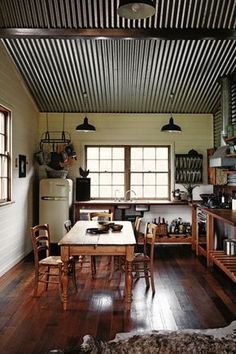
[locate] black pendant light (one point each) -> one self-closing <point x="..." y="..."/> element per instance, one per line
<point x="135" y="10"/>
<point x="85" y="127"/>
<point x="171" y="127"/>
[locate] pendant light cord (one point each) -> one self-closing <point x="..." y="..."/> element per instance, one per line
<point x="171" y="103"/>
<point x="63" y="122"/>
<point x="85" y="95"/>
<point x="47" y="121"/>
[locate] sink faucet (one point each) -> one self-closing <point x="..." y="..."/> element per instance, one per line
<point x="117" y="199"/>
<point x="129" y="193"/>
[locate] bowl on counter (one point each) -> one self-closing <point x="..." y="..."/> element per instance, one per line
<point x="116" y="227"/>
<point x="205" y="197"/>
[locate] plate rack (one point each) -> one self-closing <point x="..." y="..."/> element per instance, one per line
<point x="188" y="167"/>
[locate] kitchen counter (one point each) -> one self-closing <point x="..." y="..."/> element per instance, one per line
<point x="113" y="205"/>
<point x="132" y="202"/>
<point x="225" y="215"/>
<point x="218" y="257"/>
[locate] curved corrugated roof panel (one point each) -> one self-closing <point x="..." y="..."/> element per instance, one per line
<point x="123" y="76"/>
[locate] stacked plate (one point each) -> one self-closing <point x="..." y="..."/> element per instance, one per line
<point x="231" y="179"/>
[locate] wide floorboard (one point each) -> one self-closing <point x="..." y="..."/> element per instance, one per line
<point x="188" y="295"/>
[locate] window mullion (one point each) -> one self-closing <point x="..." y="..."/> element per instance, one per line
<point x="127" y="167"/>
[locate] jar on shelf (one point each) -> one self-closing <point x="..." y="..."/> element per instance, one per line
<point x="234" y="200"/>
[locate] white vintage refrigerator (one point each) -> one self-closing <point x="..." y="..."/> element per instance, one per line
<point x="55" y="201"/>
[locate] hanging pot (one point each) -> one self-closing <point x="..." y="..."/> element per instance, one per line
<point x="63" y="156"/>
<point x="70" y="150"/>
<point x="47" y="157"/>
<point x="55" y="161"/>
<point x="40" y="157"/>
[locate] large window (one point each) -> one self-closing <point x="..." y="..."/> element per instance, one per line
<point x="107" y="170"/>
<point x="5" y="168"/>
<point x="116" y="169"/>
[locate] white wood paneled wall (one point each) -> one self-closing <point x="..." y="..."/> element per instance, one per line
<point x="16" y="218"/>
<point x="197" y="134"/>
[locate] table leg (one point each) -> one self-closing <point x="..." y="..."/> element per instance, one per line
<point x="194" y="230"/>
<point x="65" y="276"/>
<point x="128" y="277"/>
<point x="210" y="238"/>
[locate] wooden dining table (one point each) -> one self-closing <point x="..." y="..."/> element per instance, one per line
<point x="78" y="241"/>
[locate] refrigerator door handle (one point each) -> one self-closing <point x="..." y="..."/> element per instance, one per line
<point x="54" y="198"/>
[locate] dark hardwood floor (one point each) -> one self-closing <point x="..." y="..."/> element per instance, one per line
<point x="188" y="295"/>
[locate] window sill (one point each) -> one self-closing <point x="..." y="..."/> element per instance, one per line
<point x="7" y="203"/>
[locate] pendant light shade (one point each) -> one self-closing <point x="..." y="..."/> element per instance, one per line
<point x="85" y="127"/>
<point x="171" y="127"/>
<point x="134" y="9"/>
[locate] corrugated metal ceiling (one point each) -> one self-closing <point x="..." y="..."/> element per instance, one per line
<point x="120" y="75"/>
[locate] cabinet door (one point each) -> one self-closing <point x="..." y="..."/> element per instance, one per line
<point x="211" y="171"/>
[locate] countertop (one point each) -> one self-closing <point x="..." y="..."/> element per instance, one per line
<point x="132" y="202"/>
<point x="226" y="215"/>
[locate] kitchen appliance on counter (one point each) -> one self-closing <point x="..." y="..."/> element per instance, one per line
<point x="214" y="201"/>
<point x="230" y="247"/>
<point x="178" y="194"/>
<point x="55" y="201"/>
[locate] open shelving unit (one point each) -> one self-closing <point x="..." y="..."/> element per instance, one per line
<point x="201" y="245"/>
<point x="226" y="263"/>
<point x="231" y="139"/>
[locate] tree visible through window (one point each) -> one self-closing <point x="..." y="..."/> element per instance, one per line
<point x="116" y="169"/>
<point x="5" y="168"/>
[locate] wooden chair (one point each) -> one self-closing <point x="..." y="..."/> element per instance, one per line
<point x="100" y="216"/>
<point x="82" y="259"/>
<point x="139" y="236"/>
<point x="67" y="225"/>
<point x="47" y="266"/>
<point x="143" y="262"/>
<point x="104" y="216"/>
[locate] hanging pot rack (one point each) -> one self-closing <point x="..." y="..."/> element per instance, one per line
<point x="55" y="137"/>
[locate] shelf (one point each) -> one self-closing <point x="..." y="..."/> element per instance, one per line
<point x="226" y="263"/>
<point x="232" y="138"/>
<point x="202" y="249"/>
<point x="201" y="239"/>
<point x="174" y="238"/>
<point x="228" y="172"/>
